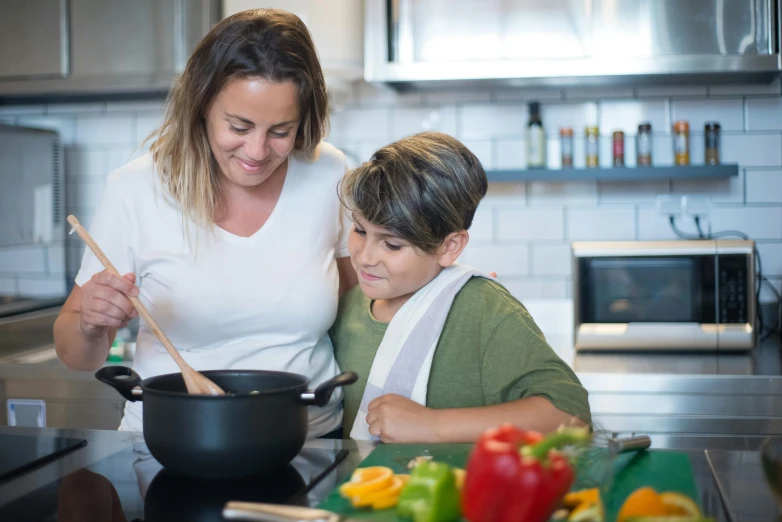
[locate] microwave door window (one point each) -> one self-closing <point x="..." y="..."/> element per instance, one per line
<point x="643" y="290"/>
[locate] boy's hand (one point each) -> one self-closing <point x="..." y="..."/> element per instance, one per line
<point x="394" y="418"/>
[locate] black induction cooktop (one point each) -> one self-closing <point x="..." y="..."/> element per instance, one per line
<point x="21" y="453"/>
<point x="132" y="486"/>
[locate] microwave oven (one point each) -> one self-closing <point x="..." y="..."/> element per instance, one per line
<point x="664" y="295"/>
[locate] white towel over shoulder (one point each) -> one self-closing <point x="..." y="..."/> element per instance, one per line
<point x="404" y="359"/>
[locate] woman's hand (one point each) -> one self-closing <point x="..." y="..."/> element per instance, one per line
<point x="105" y="303"/>
<point x="394" y="418"/>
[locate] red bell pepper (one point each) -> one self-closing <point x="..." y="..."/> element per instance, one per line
<point x="515" y="475"/>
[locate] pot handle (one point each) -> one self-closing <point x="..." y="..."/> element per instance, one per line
<point x="126" y="387"/>
<point x="322" y="394"/>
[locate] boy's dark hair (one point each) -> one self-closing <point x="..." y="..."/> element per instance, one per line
<point x="422" y="188"/>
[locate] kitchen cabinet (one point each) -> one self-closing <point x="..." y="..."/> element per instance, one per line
<point x="337" y="28"/>
<point x="88" y="47"/>
<point x="40" y="28"/>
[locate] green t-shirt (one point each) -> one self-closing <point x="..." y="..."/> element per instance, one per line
<point x="490" y="352"/>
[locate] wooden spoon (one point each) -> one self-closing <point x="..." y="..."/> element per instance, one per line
<point x="194" y="381"/>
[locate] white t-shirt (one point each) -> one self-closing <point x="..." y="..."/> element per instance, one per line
<point x="259" y="302"/>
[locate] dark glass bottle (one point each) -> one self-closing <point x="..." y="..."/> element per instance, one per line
<point x="536" y="138"/>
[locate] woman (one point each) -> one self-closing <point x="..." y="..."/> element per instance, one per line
<point x="230" y="226"/>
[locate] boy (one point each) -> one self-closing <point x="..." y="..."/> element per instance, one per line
<point x="441" y="354"/>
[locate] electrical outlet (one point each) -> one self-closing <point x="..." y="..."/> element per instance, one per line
<point x="696" y="205"/>
<point x="669" y="205"/>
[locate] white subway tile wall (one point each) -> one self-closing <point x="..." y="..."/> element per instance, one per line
<point x="603" y="224"/>
<point x="482" y="228"/>
<point x="55" y="259"/>
<point x="753" y="150"/>
<point x="726" y="190"/>
<point x="376" y="95"/>
<point x="532" y="224"/>
<point x="483" y="150"/>
<point x="764" y="186"/>
<point x="492" y="121"/>
<point x="771" y="255"/>
<point x="23" y="260"/>
<point x="729" y="112"/>
<point x="550" y="259"/>
<point x="509" y="260"/>
<point x="609" y="192"/>
<point x="577" y="116"/>
<point x="764" y="113"/>
<point x="521" y="230"/>
<point x="510" y="153"/>
<point x="573" y="192"/>
<point x="9" y="286"/>
<point x="145" y="125"/>
<point x="53" y="286"/>
<point x="625" y="115"/>
<point x="413" y="120"/>
<point x="106" y="130"/>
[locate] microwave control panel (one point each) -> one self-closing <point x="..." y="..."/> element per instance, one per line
<point x="732" y="280"/>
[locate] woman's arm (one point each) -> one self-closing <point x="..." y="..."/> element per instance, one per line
<point x="77" y="349"/>
<point x="89" y="318"/>
<point x="396" y="419"/>
<point x="347" y="276"/>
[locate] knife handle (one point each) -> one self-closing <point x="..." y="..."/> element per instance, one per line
<point x="627" y="444"/>
<point x="259" y="512"/>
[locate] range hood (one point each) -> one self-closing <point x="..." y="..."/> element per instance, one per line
<point x="429" y="43"/>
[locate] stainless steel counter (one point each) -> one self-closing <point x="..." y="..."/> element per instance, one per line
<point x="29" y="369"/>
<point x="28" y="331"/>
<point x="736" y="474"/>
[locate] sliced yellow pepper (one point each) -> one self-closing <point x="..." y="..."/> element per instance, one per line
<point x="585" y="496"/>
<point x="367" y="480"/>
<point x="585" y="506"/>
<point x="375" y="487"/>
<point x="391" y="492"/>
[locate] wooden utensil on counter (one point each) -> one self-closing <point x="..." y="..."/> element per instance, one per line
<point x="194" y="381"/>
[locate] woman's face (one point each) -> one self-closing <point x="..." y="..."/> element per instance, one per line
<point x="251" y="126"/>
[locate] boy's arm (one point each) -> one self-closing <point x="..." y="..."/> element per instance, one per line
<point x="396" y="419"/>
<point x="529" y="413"/>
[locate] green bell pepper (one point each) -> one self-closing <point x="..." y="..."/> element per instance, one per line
<point x="431" y="494"/>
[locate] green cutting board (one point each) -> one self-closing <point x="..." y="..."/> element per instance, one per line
<point x="662" y="470"/>
<point x="396" y="457"/>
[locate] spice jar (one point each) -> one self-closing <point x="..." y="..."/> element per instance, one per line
<point x="681" y="143"/>
<point x="592" y="147"/>
<point x="619" y="149"/>
<point x="643" y="145"/>
<point x="566" y="135"/>
<point x="711" y="132"/>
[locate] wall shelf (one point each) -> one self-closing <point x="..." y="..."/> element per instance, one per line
<point x="615" y="173"/>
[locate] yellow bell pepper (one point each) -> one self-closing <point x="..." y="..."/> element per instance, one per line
<point x="376" y="487"/>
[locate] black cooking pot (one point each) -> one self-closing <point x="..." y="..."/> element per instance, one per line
<point x="220" y="436"/>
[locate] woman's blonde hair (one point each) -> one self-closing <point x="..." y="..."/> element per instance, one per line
<point x="265" y="43"/>
<point x="422" y="188"/>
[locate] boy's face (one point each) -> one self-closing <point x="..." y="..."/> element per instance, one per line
<point x="390" y="268"/>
